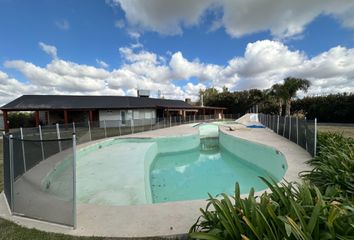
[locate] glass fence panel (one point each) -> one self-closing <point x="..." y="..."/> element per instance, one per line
<point x="293" y="130"/>
<point x="281" y="126"/>
<point x="97" y="130"/>
<point x="49" y="132"/>
<point x="43" y="183"/>
<point x="310" y="136"/>
<point x="7" y="169"/>
<point x="82" y="132"/>
<point x="299" y="131"/>
<point x="302" y="133"/>
<point x="287" y="122"/>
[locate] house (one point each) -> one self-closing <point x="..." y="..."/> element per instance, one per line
<point x="52" y="109"/>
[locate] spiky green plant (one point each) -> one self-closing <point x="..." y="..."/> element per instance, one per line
<point x="291" y="211"/>
<point x="333" y="167"/>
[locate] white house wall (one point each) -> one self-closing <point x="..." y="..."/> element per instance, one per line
<point x="112" y="118"/>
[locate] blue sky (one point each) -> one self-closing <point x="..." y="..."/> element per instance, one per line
<point x="116" y="46"/>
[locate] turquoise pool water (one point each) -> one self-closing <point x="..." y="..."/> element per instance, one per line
<point x="192" y="174"/>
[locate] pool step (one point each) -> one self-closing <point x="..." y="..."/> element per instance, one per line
<point x="209" y="144"/>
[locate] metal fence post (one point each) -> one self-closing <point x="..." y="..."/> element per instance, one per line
<point x="105" y="128"/>
<point x="12" y="172"/>
<point x="58" y="136"/>
<point x="89" y="128"/>
<point x="278" y="125"/>
<point x="297" y="130"/>
<point x="284" y="126"/>
<point x="131" y="126"/>
<point x="315" y="139"/>
<point x="170" y="121"/>
<point x="289" y="127"/>
<point x="119" y="128"/>
<point x="41" y="139"/>
<point x="23" y="150"/>
<point x="74" y="128"/>
<point x="74" y="182"/>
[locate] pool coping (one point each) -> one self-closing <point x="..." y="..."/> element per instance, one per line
<point x="172" y="219"/>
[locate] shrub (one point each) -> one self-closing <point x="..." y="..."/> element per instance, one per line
<point x="21" y="119"/>
<point x="291" y="211"/>
<point x="333" y="167"/>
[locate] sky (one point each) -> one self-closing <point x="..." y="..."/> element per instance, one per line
<point x="114" y="47"/>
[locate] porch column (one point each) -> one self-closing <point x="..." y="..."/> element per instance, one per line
<point x="66" y="116"/>
<point x="37" y="118"/>
<point x="90" y="115"/>
<point x="6" y="121"/>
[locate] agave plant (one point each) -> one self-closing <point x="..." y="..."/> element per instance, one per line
<point x="290" y="211"/>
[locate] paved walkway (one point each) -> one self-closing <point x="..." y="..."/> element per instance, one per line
<point x="162" y="219"/>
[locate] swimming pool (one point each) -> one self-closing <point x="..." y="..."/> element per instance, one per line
<point x="153" y="170"/>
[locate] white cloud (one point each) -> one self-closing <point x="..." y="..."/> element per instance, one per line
<point x="63" y="24"/>
<point x="134" y="34"/>
<point x="263" y="64"/>
<point x="102" y="64"/>
<point x="285" y="18"/>
<point x="184" y="69"/>
<point x="163" y="16"/>
<point x="61" y="75"/>
<point x="48" y="49"/>
<point x="119" y="23"/>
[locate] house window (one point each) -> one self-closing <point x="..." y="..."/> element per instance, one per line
<point x="122" y="115"/>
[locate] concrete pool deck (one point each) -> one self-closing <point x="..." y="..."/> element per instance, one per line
<point x="161" y="219"/>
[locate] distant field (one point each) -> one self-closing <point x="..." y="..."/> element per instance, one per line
<point x="347" y="129"/>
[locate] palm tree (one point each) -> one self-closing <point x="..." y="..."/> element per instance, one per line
<point x="278" y="93"/>
<point x="290" y="87"/>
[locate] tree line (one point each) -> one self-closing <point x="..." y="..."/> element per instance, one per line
<point x="331" y="108"/>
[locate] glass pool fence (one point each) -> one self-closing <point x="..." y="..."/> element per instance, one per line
<point x="27" y="162"/>
<point x="298" y="130"/>
<point x="31" y="154"/>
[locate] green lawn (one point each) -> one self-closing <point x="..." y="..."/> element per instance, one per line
<point x="346" y="129"/>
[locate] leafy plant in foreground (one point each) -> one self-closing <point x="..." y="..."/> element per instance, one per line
<point x="333" y="167"/>
<point x="291" y="211"/>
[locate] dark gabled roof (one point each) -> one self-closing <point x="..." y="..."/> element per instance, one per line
<point x="47" y="102"/>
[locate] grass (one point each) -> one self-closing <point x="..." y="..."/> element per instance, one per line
<point x="346" y="129"/>
<point x="11" y="231"/>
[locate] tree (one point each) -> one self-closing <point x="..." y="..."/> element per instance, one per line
<point x="278" y="92"/>
<point x="209" y="96"/>
<point x="290" y="87"/>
